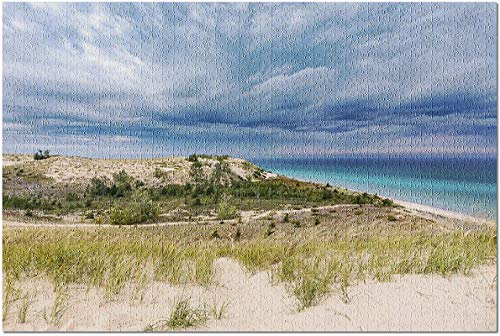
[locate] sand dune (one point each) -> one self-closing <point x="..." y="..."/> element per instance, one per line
<point x="409" y="303"/>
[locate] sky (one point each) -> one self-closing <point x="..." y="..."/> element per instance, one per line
<point x="256" y="80"/>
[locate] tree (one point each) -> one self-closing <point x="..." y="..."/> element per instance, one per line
<point x="196" y="172"/>
<point x="41" y="155"/>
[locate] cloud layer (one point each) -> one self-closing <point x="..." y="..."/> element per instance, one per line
<point x="250" y="80"/>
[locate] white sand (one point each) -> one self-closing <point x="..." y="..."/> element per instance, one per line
<point x="436" y="213"/>
<point x="409" y="303"/>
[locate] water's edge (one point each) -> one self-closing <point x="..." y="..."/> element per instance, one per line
<point x="463" y="186"/>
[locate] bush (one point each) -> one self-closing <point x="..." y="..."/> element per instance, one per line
<point x="159" y="173"/>
<point x="122" y="185"/>
<point x="72" y="197"/>
<point x="98" y="187"/>
<point x="270" y="229"/>
<point x="387" y="202"/>
<point x="41" y="155"/>
<point x="192" y="158"/>
<point x="140" y="210"/>
<point x="196" y="172"/>
<point x="28" y="202"/>
<point x="225" y="209"/>
<point x="326" y="194"/>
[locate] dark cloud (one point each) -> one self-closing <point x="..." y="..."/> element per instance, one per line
<point x="306" y="77"/>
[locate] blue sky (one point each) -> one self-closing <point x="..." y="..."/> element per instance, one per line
<point x="249" y="80"/>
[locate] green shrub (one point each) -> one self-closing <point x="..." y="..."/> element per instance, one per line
<point x="72" y="197"/>
<point x="215" y="234"/>
<point x="159" y="174"/>
<point x="25" y="202"/>
<point x="326" y="194"/>
<point x="41" y="155"/>
<point x="98" y="187"/>
<point x="196" y="172"/>
<point x="184" y="315"/>
<point x="270" y="229"/>
<point x="122" y="185"/>
<point x="140" y="210"/>
<point x="225" y="210"/>
<point x="387" y="202"/>
<point x="192" y="158"/>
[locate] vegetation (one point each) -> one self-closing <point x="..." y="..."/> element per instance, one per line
<point x="41" y="155"/>
<point x="23" y="309"/>
<point x="183" y="316"/>
<point x="225" y="208"/>
<point x="140" y="210"/>
<point x="115" y="200"/>
<point x="195" y="157"/>
<point x="346" y="237"/>
<point x="55" y="314"/>
<point x="340" y="255"/>
<point x="121" y="185"/>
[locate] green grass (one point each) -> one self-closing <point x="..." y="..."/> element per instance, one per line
<point x="10" y="295"/>
<point x="218" y="310"/>
<point x="308" y="279"/>
<point x="55" y="314"/>
<point x="183" y="316"/>
<point x="23" y="308"/>
<point x="313" y="261"/>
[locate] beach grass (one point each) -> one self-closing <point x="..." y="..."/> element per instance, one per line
<point x="312" y="260"/>
<point x="316" y="239"/>
<point x="183" y="315"/>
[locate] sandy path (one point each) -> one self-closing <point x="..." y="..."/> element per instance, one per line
<point x="246" y="216"/>
<point x="409" y="303"/>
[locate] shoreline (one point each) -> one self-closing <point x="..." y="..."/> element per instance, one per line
<point x="426" y="210"/>
<point x="421" y="209"/>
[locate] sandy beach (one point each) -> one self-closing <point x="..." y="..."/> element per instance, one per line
<point x="431" y="212"/>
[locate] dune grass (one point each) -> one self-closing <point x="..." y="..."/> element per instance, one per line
<point x="183" y="315"/>
<point x="54" y="315"/>
<point x="22" y="312"/>
<point x="312" y="260"/>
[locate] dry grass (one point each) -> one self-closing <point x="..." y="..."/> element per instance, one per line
<point x="312" y="260"/>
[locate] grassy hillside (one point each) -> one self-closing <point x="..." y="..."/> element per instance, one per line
<point x="152" y="190"/>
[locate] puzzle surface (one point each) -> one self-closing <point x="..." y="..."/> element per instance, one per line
<point x="249" y="167"/>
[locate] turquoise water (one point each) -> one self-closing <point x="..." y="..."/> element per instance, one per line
<point x="464" y="185"/>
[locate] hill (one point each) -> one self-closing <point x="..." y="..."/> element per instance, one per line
<point x="133" y="191"/>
